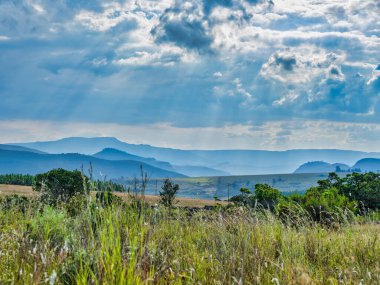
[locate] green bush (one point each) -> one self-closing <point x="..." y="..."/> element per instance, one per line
<point x="361" y="187"/>
<point x="328" y="205"/>
<point x="59" y="185"/>
<point x="168" y="193"/>
<point x="266" y="195"/>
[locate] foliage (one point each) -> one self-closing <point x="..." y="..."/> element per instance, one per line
<point x="168" y="193"/>
<point x="361" y="187"/>
<point x="17" y="179"/>
<point x="59" y="185"/>
<point x="328" y="205"/>
<point x="266" y="195"/>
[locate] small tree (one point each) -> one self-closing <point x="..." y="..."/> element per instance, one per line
<point x="266" y="195"/>
<point x="168" y="193"/>
<point x="59" y="185"/>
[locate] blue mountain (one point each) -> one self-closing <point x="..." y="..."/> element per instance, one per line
<point x="25" y="162"/>
<point x="321" y="167"/>
<point x="236" y="162"/>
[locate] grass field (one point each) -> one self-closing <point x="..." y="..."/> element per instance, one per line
<point x="180" y="201"/>
<point x="128" y="245"/>
<point x="85" y="242"/>
<point x="208" y="187"/>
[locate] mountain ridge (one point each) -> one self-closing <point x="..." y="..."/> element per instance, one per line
<point x="235" y="162"/>
<point x="34" y="163"/>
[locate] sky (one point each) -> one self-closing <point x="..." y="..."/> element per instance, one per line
<point x="200" y="74"/>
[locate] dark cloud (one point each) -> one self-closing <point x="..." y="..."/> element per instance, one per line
<point x="188" y="25"/>
<point x="287" y="62"/>
<point x="184" y="32"/>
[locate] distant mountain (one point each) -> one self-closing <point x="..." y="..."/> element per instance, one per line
<point x="189" y="170"/>
<point x="32" y="163"/>
<point x="18" y="148"/>
<point x="368" y="164"/>
<point x="199" y="171"/>
<point x="115" y="154"/>
<point x="236" y="162"/>
<point x="321" y="167"/>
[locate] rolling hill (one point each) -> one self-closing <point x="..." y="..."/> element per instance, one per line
<point x="368" y="164"/>
<point x="188" y="170"/>
<point x="19" y="148"/>
<point x="321" y="167"/>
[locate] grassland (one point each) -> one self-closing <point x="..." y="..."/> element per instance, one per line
<point x="208" y="187"/>
<point x="27" y="191"/>
<point x="131" y="242"/>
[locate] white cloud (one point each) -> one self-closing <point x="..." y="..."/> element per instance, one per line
<point x="275" y="135"/>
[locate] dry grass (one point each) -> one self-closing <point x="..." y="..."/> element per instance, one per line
<point x="15" y="189"/>
<point x="181" y="201"/>
<point x="128" y="245"/>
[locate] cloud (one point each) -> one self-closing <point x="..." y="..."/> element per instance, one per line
<point x="185" y="26"/>
<point x="274" y="135"/>
<point x="190" y="64"/>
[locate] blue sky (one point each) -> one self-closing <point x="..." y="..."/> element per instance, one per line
<point x="251" y="74"/>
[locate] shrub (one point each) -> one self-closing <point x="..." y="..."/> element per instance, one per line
<point x="59" y="185"/>
<point x="328" y="206"/>
<point x="266" y="195"/>
<point x="168" y="193"/>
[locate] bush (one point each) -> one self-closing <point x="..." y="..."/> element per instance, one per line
<point x="266" y="195"/>
<point x="328" y="206"/>
<point x="59" y="185"/>
<point x="168" y="193"/>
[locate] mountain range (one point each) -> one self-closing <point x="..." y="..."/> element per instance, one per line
<point x="205" y="162"/>
<point x="28" y="162"/>
<point x="364" y="165"/>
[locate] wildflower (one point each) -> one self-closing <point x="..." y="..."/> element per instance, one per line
<point x="275" y="280"/>
<point x="43" y="258"/>
<point x="52" y="278"/>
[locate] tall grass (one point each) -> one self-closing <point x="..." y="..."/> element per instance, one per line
<point x="128" y="244"/>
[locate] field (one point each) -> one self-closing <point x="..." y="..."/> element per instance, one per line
<point x="209" y="187"/>
<point x="86" y="240"/>
<point x="152" y="199"/>
<point x="125" y="244"/>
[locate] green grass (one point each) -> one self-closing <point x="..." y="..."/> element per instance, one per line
<point x="124" y="244"/>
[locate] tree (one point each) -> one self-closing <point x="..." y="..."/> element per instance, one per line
<point x="361" y="187"/>
<point x="267" y="195"/>
<point x="59" y="185"/>
<point x="327" y="205"/>
<point x="168" y="193"/>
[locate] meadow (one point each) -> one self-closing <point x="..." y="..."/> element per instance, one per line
<point x="94" y="237"/>
<point x="221" y="186"/>
<point x="132" y="243"/>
